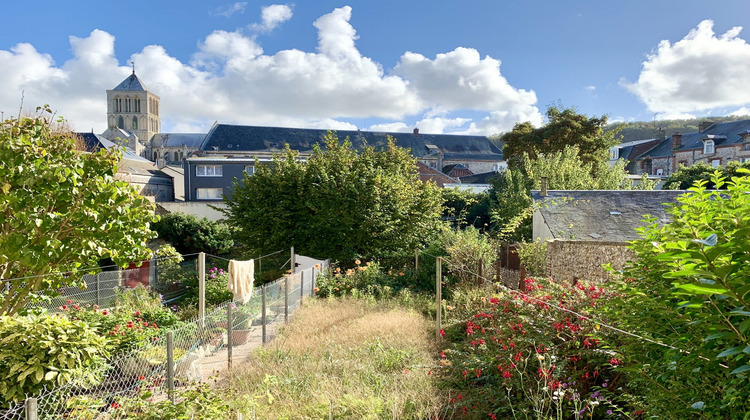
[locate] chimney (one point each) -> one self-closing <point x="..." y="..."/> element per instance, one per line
<point x="676" y="140"/>
<point x="543" y="189"/>
<point x="416" y="132"/>
<point x="703" y="126"/>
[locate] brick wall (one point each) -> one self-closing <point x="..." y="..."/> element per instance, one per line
<point x="569" y="259"/>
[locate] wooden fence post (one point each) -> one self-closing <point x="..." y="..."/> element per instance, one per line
<point x="202" y="289"/>
<point x="229" y="336"/>
<point x="286" y="298"/>
<point x="439" y="294"/>
<point x="521" y="282"/>
<point x="32" y="409"/>
<point x="170" y="365"/>
<point x="263" y="313"/>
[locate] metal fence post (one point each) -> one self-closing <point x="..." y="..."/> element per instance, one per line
<point x="330" y="412"/>
<point x="202" y="289"/>
<point x="229" y="337"/>
<point x="31" y="408"/>
<point x="439" y="294"/>
<point x="263" y="313"/>
<point x="301" y="286"/>
<point x="98" y="288"/>
<point x="286" y="298"/>
<point x="312" y="282"/>
<point x="293" y="261"/>
<point x="480" y="277"/>
<point x="170" y="365"/>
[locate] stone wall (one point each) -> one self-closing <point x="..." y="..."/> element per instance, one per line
<point x="570" y="259"/>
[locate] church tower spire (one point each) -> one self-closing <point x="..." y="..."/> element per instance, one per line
<point x="132" y="108"/>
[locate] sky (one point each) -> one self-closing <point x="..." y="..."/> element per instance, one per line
<point x="459" y="67"/>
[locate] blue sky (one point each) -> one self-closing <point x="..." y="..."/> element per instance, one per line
<point x="474" y="67"/>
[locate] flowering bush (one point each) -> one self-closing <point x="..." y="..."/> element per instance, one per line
<point x="216" y="288"/>
<point x="517" y="355"/>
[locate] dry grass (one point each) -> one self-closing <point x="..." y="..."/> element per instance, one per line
<point x="369" y="361"/>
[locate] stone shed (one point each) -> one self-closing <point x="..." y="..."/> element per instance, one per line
<point x="587" y="229"/>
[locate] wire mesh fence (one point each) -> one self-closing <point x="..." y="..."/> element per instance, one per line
<point x="196" y="351"/>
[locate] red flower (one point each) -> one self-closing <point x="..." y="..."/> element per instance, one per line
<point x="115" y="405"/>
<point x="614" y="362"/>
<point x="442" y="332"/>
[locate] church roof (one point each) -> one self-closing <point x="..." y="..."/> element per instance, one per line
<point x="132" y="82"/>
<point x="179" y="139"/>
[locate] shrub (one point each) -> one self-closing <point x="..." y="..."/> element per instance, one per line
<point x="189" y="234"/>
<point x="199" y="402"/>
<point x="469" y="253"/>
<point x="533" y="256"/>
<point x="517" y="356"/>
<point x="216" y="288"/>
<point x="689" y="288"/>
<point x="42" y="350"/>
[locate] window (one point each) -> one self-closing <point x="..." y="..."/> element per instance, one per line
<point x="134" y="126"/>
<point x="120" y="122"/>
<point x="614" y="153"/>
<point x="208" y="170"/>
<point x="743" y="160"/>
<point x="715" y="163"/>
<point x="208" y="193"/>
<point x="660" y="171"/>
<point x="137" y="105"/>
<point x="708" y="147"/>
<point x="250" y="170"/>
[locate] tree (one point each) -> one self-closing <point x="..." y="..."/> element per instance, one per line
<point x="565" y="127"/>
<point x="466" y="208"/>
<point x="61" y="211"/>
<point x="339" y="204"/>
<point x="687" y="176"/>
<point x="189" y="234"/>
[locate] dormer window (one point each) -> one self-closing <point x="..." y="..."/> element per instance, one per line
<point x="614" y="153"/>
<point x="708" y="147"/>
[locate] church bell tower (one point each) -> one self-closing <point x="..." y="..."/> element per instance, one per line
<point x="132" y="108"/>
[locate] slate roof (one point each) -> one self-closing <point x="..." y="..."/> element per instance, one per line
<point x="723" y="134"/>
<point x="483" y="178"/>
<point x="610" y="216"/>
<point x="132" y="82"/>
<point x="179" y="139"/>
<point x="227" y="137"/>
<point x="91" y="141"/>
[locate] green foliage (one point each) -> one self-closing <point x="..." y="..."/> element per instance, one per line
<point x="533" y="256"/>
<point x="339" y="204"/>
<point x="217" y="292"/>
<point x="469" y="253"/>
<point x="689" y="288"/>
<point x="466" y="208"/>
<point x="511" y="207"/>
<point x="194" y="403"/>
<point x="38" y="351"/>
<point x="189" y="234"/>
<point x="687" y="176"/>
<point x="60" y="210"/>
<point x="564" y="128"/>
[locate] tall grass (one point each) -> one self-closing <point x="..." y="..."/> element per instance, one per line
<point x="369" y="361"/>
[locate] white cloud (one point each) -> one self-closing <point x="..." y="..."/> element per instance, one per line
<point x="741" y="112"/>
<point x="675" y="116"/>
<point x="228" y="11"/>
<point x="272" y="16"/>
<point x="230" y="79"/>
<point x="394" y="127"/>
<point x="589" y="87"/>
<point x="699" y="72"/>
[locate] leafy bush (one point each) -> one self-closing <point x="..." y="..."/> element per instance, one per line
<point x="516" y="356"/>
<point x="41" y="350"/>
<point x="189" y="234"/>
<point x="216" y="288"/>
<point x="469" y="253"/>
<point x="533" y="256"/>
<point x="199" y="402"/>
<point x="689" y="288"/>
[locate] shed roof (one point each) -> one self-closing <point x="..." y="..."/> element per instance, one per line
<point x="602" y="215"/>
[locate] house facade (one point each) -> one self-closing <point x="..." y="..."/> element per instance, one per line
<point x="230" y="151"/>
<point x="714" y="144"/>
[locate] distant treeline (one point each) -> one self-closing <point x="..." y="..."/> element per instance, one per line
<point x="641" y="130"/>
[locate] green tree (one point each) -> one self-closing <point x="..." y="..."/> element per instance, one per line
<point x="61" y="210"/>
<point x="565" y="127"/>
<point x="687" y="176"/>
<point x="189" y="234"/>
<point x="339" y="204"/>
<point x="466" y="208"/>
<point x="689" y="287"/>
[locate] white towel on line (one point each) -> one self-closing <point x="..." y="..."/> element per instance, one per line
<point x="241" y="275"/>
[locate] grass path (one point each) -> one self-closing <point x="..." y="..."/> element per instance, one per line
<point x="369" y="361"/>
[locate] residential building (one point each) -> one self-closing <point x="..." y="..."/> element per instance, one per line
<point x="713" y="144"/>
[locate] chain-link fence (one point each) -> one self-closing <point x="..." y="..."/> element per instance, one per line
<point x="196" y="351"/>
